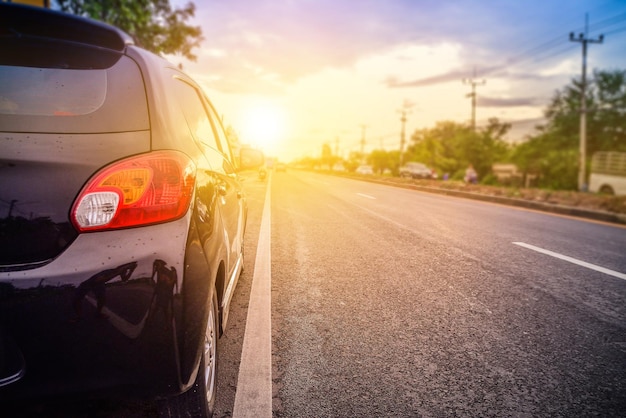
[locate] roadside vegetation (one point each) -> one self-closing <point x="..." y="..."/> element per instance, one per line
<point x="567" y="198"/>
<point x="547" y="159"/>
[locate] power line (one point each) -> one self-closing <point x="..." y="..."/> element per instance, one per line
<point x="607" y="22"/>
<point x="618" y="30"/>
<point x="546" y="49"/>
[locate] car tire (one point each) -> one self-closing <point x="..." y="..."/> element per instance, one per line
<point x="243" y="258"/>
<point x="199" y="400"/>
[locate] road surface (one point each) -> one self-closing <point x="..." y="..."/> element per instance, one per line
<point x="391" y="302"/>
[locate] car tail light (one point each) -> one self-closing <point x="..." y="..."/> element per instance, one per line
<point x="141" y="190"/>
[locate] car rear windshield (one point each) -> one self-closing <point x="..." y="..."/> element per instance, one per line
<point x="72" y="100"/>
<point x="51" y="92"/>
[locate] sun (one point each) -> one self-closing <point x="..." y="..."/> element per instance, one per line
<point x="263" y="125"/>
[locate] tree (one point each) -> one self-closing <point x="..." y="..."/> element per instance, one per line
<point x="439" y="147"/>
<point x="487" y="146"/>
<point x="609" y="116"/>
<point x="450" y="147"/>
<point x="606" y="113"/>
<point x="552" y="152"/>
<point x="555" y="168"/>
<point x="153" y="24"/>
<point x="382" y="160"/>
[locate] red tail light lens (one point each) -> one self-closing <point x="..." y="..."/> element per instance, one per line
<point x="140" y="190"/>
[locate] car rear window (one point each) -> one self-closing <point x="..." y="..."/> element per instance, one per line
<point x="51" y="92"/>
<point x="69" y="100"/>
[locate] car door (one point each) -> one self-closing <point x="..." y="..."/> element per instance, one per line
<point x="233" y="202"/>
<point x="210" y="137"/>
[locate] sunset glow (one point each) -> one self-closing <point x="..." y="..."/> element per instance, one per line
<point x="290" y="79"/>
<point x="262" y="124"/>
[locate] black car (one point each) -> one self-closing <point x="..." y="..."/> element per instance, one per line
<point x="122" y="217"/>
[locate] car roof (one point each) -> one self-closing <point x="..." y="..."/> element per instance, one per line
<point x="22" y="22"/>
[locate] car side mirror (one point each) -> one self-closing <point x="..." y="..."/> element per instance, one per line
<point x="250" y="158"/>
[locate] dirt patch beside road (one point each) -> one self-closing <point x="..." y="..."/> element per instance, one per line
<point x="589" y="205"/>
<point x="592" y="201"/>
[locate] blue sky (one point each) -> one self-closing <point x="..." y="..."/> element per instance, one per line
<point x="323" y="69"/>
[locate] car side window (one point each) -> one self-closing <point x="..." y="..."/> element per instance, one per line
<point x="203" y="130"/>
<point x="219" y="131"/>
<point x="195" y="114"/>
<point x="205" y="125"/>
<point x="222" y="141"/>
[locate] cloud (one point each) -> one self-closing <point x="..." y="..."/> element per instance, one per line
<point x="292" y="39"/>
<point x="456" y="75"/>
<point x="450" y="76"/>
<point x="508" y="102"/>
<point x="459" y="74"/>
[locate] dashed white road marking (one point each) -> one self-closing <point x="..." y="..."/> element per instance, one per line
<point x="366" y="196"/>
<point x="573" y="260"/>
<point x="253" y="397"/>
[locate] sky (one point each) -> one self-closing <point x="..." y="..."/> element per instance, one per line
<point x="292" y="75"/>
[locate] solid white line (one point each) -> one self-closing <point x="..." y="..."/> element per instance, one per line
<point x="573" y="260"/>
<point x="366" y="195"/>
<point x="253" y="397"/>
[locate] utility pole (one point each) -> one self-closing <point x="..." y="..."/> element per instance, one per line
<point x="363" y="143"/>
<point x="473" y="83"/>
<point x="582" y="162"/>
<point x="407" y="105"/>
<point x="403" y="120"/>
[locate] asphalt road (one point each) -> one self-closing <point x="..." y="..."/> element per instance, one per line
<point x="392" y="302"/>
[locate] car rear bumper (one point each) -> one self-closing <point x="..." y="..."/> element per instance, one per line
<point x="100" y="317"/>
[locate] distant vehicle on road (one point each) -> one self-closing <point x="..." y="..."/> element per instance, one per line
<point x="281" y="167"/>
<point x="416" y="171"/>
<point x="365" y="169"/>
<point x="608" y="173"/>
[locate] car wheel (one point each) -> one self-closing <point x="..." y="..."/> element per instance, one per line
<point x="243" y="257"/>
<point x="199" y="400"/>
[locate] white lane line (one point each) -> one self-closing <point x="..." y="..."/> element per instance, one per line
<point x="573" y="260"/>
<point x="253" y="397"/>
<point x="366" y="195"/>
